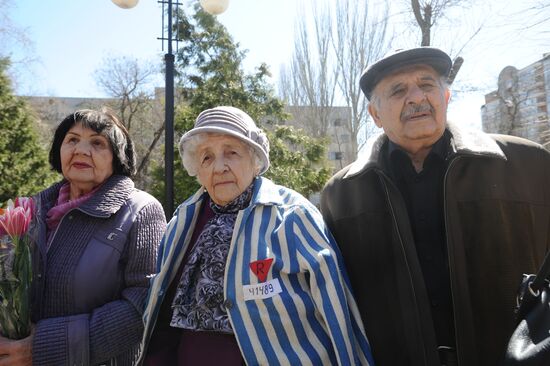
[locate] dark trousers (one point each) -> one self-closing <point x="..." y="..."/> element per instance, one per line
<point x="447" y="356"/>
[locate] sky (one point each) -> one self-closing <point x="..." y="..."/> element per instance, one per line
<point x="68" y="39"/>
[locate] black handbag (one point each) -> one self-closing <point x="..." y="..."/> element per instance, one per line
<point x="530" y="342"/>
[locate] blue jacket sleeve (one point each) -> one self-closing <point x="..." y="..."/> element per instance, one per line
<point x="330" y="288"/>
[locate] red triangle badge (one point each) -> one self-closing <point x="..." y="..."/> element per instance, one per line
<point x="261" y="268"/>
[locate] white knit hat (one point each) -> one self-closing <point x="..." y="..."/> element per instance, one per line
<point x="234" y="122"/>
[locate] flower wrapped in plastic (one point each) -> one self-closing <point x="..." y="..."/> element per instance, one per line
<point x="15" y="268"/>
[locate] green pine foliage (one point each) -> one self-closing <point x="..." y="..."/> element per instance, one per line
<point x="210" y="72"/>
<point x="24" y="167"/>
<point x="297" y="160"/>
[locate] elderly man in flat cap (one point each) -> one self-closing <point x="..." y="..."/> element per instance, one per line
<point x="436" y="223"/>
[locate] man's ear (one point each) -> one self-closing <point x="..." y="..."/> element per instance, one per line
<point x="447" y="95"/>
<point x="374" y="114"/>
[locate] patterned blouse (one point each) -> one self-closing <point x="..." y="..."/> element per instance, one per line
<point x="198" y="304"/>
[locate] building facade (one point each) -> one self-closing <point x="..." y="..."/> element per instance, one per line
<point x="519" y="106"/>
<point x="330" y="123"/>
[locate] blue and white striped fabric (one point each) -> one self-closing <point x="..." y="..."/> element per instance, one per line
<point x="313" y="320"/>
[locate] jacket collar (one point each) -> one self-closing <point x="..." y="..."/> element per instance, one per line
<point x="467" y="142"/>
<point x="265" y="193"/>
<point x="106" y="201"/>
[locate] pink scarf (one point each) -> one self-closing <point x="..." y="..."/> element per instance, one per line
<point x="64" y="205"/>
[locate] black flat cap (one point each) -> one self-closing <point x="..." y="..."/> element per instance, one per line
<point x="431" y="56"/>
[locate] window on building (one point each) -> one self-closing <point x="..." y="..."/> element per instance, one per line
<point x="335" y="155"/>
<point x="337" y="122"/>
<point x="345" y="138"/>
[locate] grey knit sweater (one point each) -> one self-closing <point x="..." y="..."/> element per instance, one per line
<point x="89" y="290"/>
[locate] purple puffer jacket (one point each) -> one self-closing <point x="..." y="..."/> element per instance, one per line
<point x="90" y="286"/>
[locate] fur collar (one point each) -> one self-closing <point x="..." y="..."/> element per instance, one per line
<point x="463" y="142"/>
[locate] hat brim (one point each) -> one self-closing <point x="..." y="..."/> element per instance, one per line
<point x="431" y="56"/>
<point x="223" y="131"/>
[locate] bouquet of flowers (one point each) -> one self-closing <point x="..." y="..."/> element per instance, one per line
<point x="15" y="268"/>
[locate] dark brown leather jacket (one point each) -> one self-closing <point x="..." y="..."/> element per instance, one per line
<point x="497" y="219"/>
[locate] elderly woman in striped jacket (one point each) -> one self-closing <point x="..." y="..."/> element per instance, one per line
<point x="247" y="271"/>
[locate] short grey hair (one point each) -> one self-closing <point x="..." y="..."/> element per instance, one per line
<point x="189" y="154"/>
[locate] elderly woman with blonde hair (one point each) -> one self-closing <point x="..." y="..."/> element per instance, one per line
<point x="248" y="272"/>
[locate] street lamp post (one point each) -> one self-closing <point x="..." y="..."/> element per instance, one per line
<point x="213" y="7"/>
<point x="169" y="119"/>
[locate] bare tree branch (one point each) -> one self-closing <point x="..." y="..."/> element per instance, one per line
<point x="127" y="81"/>
<point x="335" y="42"/>
<point x="310" y="80"/>
<point x="361" y="39"/>
<point x="538" y="14"/>
<point x="142" y="168"/>
<point x="13" y="37"/>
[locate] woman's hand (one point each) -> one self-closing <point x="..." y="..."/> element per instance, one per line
<point x="16" y="353"/>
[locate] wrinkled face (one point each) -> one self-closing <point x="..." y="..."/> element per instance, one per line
<point x="411" y="106"/>
<point x="226" y="167"/>
<point x="86" y="157"/>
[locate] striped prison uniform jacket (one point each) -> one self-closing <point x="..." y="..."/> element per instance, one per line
<point x="303" y="311"/>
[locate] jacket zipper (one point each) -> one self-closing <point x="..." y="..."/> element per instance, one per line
<point x="449" y="254"/>
<point x="382" y="177"/>
<point x="49" y="243"/>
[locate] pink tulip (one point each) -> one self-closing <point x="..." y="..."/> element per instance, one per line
<point x="27" y="203"/>
<point x="16" y="218"/>
<point x="15" y="267"/>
